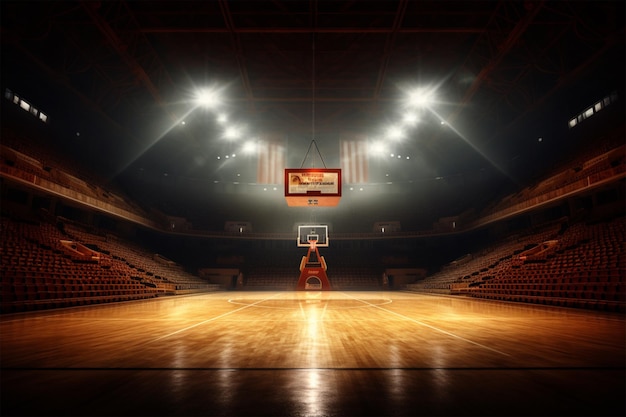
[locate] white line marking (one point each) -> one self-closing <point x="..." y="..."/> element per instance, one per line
<point x="211" y="319"/>
<point x="324" y="310"/>
<point x="429" y="326"/>
<point x="302" y="310"/>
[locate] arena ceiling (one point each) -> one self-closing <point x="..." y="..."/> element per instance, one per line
<point x="502" y="75"/>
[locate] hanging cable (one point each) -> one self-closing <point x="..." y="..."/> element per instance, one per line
<point x="318" y="154"/>
<point x="313" y="90"/>
<point x="313" y="108"/>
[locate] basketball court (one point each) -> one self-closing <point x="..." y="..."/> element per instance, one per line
<point x="313" y="353"/>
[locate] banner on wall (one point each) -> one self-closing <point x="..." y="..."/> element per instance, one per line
<point x="353" y="153"/>
<point x="271" y="159"/>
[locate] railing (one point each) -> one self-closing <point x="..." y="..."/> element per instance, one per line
<point x="589" y="182"/>
<point x="54" y="188"/>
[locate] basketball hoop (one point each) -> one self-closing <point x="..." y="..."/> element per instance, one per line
<point x="313" y="266"/>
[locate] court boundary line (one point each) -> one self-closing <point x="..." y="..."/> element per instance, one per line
<point x="386" y="300"/>
<point x="211" y="319"/>
<point x="430" y="326"/>
<point x="325" y="368"/>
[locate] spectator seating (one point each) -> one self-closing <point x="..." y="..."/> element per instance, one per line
<point x="585" y="269"/>
<point x="37" y="271"/>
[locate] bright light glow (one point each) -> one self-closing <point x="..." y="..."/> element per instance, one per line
<point x="24" y="105"/>
<point x="311" y="398"/>
<point x="377" y="148"/>
<point x="421" y="97"/>
<point x="394" y="133"/>
<point x="208" y="98"/>
<point x="222" y="118"/>
<point x="410" y="119"/>
<point x="233" y="132"/>
<point x="249" y="148"/>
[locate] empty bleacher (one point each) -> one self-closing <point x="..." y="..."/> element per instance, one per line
<point x="586" y="268"/>
<point x="39" y="272"/>
<point x="154" y="269"/>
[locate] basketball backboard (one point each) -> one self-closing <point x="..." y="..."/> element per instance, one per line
<point x="314" y="232"/>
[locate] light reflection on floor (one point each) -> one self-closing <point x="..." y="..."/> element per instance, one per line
<point x="313" y="353"/>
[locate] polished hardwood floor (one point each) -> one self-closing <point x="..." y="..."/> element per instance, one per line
<point x="313" y="354"/>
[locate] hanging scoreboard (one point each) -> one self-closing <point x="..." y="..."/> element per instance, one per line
<point x="306" y="187"/>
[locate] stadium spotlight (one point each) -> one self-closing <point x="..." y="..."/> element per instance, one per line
<point x="420" y="97"/>
<point x="208" y="98"/>
<point x="249" y="148"/>
<point x="410" y="119"/>
<point x="233" y="132"/>
<point x="222" y="118"/>
<point x="394" y="133"/>
<point x="377" y="148"/>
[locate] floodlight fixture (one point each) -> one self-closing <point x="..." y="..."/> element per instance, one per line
<point x="208" y="98"/>
<point x="249" y="148"/>
<point x="233" y="132"/>
<point x="377" y="148"/>
<point x="421" y="97"/>
<point x="394" y="133"/>
<point x="410" y="118"/>
<point x="222" y="118"/>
